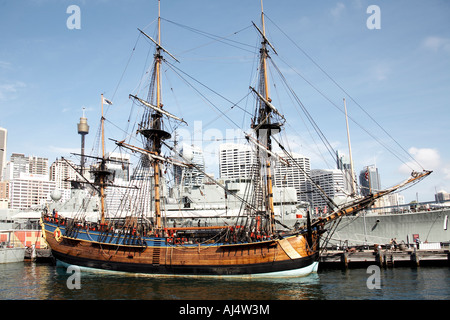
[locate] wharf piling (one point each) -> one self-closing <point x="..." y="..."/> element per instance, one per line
<point x="385" y="258"/>
<point x="38" y="255"/>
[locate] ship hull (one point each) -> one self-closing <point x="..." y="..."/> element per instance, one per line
<point x="298" y="268"/>
<point x="429" y="226"/>
<point x="286" y="257"/>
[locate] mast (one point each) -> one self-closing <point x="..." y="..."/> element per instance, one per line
<point x="263" y="125"/>
<point x="157" y="125"/>
<point x="264" y="56"/>
<point x="151" y="127"/>
<point x="102" y="170"/>
<point x="350" y="151"/>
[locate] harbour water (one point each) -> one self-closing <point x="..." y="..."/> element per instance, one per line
<point x="42" y="281"/>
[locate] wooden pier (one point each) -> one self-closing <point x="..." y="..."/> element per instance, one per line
<point x="384" y="258"/>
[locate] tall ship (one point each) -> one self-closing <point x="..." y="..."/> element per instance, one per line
<point x="250" y="240"/>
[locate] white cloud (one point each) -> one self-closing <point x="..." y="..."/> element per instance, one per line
<point x="5" y="65"/>
<point x="446" y="171"/>
<point x="338" y="10"/>
<point x="63" y="150"/>
<point x="428" y="158"/>
<point x="435" y="43"/>
<point x="381" y="72"/>
<point x="7" y="90"/>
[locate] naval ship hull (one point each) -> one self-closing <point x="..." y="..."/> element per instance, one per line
<point x="426" y="226"/>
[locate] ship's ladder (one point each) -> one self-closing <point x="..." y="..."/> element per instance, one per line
<point x="156" y="253"/>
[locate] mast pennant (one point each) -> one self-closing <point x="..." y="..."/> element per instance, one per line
<point x="106" y="101"/>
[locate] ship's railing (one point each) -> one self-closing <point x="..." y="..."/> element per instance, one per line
<point x="410" y="207"/>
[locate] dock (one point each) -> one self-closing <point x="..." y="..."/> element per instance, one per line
<point x="39" y="255"/>
<point x="385" y="258"/>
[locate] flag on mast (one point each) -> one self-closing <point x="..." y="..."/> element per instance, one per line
<point x="106" y="101"/>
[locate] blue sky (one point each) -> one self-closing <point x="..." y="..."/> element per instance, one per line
<point x="398" y="74"/>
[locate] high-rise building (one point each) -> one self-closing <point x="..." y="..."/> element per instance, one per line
<point x="3" y="141"/>
<point x="239" y="160"/>
<point x="4" y="194"/>
<point x="442" y="196"/>
<point x="236" y="161"/>
<point x="343" y="164"/>
<point x="295" y="175"/>
<point x="61" y="173"/>
<point x="369" y="180"/>
<point x="19" y="163"/>
<point x="29" y="183"/>
<point x="190" y="176"/>
<point x="38" y="165"/>
<point x="30" y="190"/>
<point x="332" y="182"/>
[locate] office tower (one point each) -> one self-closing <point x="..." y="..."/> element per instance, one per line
<point x="294" y="175"/>
<point x="369" y="180"/>
<point x="38" y="165"/>
<point x="442" y="196"/>
<point x="29" y="183"/>
<point x="30" y="190"/>
<point x="343" y="164"/>
<point x="3" y="141"/>
<point x="62" y="173"/>
<point x="4" y="194"/>
<point x="331" y="182"/>
<point x="236" y="161"/>
<point x="19" y="163"/>
<point x="190" y="176"/>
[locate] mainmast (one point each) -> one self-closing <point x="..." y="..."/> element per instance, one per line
<point x="151" y="127"/>
<point x="263" y="124"/>
<point x="157" y="126"/>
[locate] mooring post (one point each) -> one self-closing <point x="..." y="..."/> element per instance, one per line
<point x="415" y="256"/>
<point x="379" y="257"/>
<point x="344" y="260"/>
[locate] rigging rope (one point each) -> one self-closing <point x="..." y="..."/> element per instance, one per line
<point x="221" y="39"/>
<point x="351" y="98"/>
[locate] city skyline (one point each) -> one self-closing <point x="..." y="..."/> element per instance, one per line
<point x="49" y="72"/>
<point x="39" y="178"/>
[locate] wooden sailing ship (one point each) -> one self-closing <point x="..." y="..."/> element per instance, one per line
<point x="141" y="243"/>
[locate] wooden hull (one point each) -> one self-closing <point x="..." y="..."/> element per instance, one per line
<point x="290" y="256"/>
